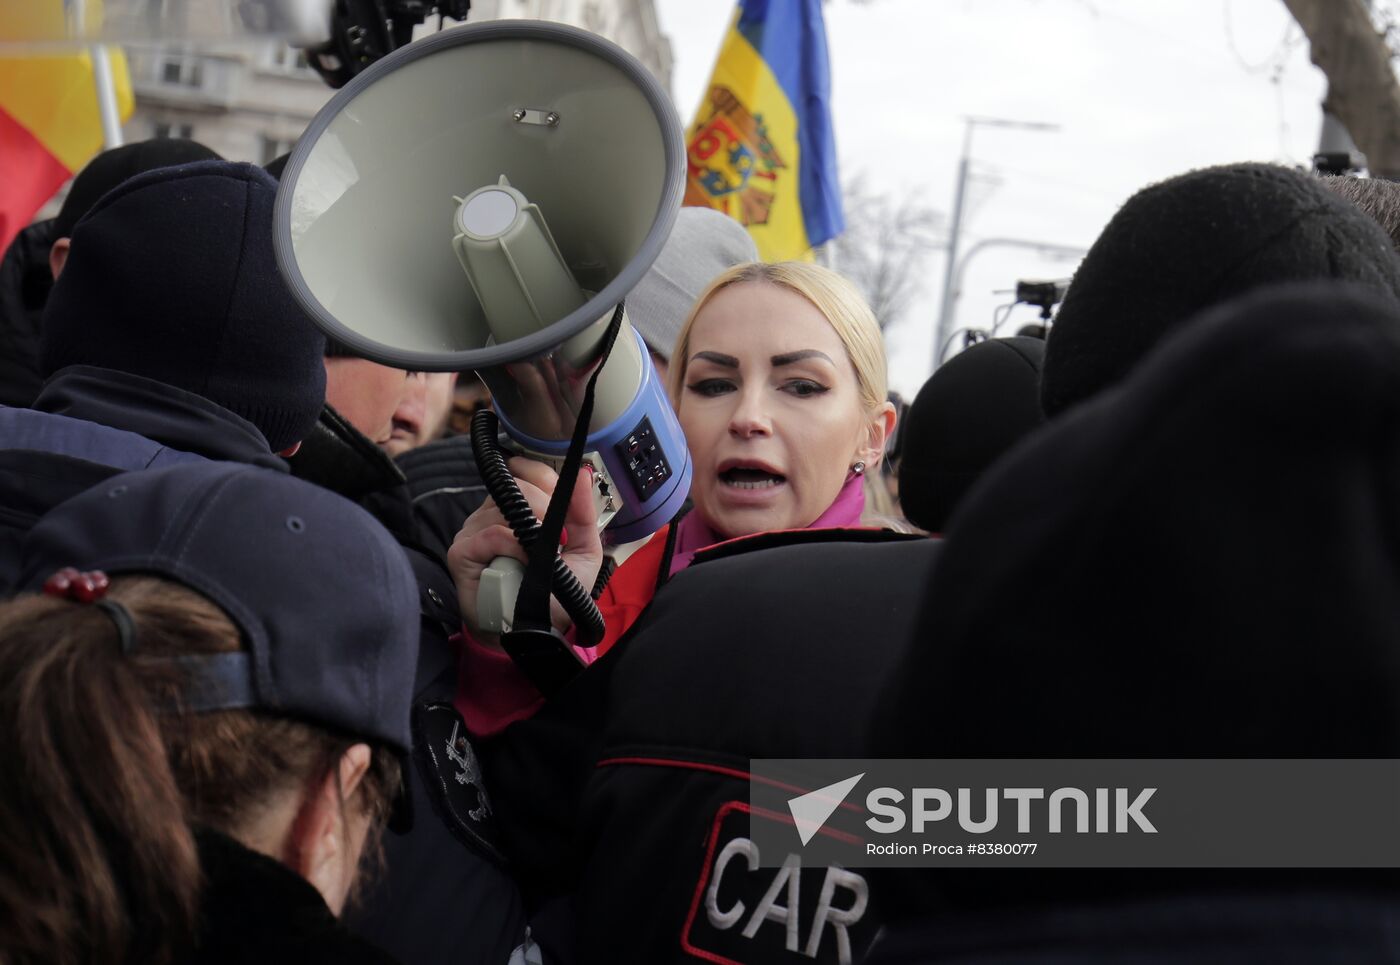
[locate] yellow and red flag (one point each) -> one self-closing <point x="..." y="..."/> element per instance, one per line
<point x="762" y="149"/>
<point x="50" y="124"/>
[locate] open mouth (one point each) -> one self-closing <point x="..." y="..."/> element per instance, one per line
<point x="745" y="477"/>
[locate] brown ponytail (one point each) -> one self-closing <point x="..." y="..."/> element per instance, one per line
<point x="98" y="791"/>
<point x="96" y="859"/>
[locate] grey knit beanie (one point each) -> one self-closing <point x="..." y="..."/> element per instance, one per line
<point x="703" y="244"/>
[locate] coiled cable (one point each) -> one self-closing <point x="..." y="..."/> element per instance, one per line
<point x="490" y="459"/>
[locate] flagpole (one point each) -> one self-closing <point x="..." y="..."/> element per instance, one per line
<point x="106" y="96"/>
<point x="102" y="76"/>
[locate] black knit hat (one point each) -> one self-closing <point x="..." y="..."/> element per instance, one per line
<point x="969" y="412"/>
<point x="111" y="168"/>
<point x="172" y="277"/>
<point x="1196" y="240"/>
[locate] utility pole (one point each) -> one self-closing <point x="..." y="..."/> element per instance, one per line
<point x="1049" y="249"/>
<point x="945" y="311"/>
<point x="1362" y="92"/>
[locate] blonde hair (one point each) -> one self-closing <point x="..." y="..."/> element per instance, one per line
<point x="835" y="297"/>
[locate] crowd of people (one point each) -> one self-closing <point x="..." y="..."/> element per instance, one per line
<point x="249" y="712"/>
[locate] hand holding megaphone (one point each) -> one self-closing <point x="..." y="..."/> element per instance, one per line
<point x="568" y="164"/>
<point x="485" y="537"/>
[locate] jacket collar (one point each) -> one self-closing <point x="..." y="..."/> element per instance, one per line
<point x="255" y="909"/>
<point x="693" y="535"/>
<point x="164" y="413"/>
<point x="338" y="457"/>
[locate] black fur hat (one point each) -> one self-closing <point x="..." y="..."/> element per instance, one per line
<point x="1193" y="241"/>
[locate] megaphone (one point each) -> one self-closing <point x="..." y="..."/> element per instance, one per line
<point x="483" y="199"/>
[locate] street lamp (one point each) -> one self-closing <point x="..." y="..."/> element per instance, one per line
<point x="946" y="309"/>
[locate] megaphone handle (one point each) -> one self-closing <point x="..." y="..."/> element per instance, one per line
<point x="576" y="600"/>
<point x="495" y="597"/>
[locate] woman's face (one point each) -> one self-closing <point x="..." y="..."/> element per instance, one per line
<point x="771" y="410"/>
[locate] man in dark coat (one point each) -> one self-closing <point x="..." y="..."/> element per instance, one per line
<point x="444" y="893"/>
<point x="169" y="337"/>
<point x="1199" y="563"/>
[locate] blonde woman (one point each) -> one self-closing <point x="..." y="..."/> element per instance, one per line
<point x="778" y="377"/>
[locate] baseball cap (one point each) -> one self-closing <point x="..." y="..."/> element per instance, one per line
<point x="324" y="598"/>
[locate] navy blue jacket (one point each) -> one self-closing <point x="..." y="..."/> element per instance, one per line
<point x="88" y="424"/>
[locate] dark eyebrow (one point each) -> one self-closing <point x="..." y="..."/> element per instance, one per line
<point x="728" y="361"/>
<point x="791" y="357"/>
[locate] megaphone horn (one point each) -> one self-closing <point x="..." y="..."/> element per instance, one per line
<point x="483" y="199"/>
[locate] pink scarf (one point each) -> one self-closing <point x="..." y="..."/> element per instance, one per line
<point x="693" y="535"/>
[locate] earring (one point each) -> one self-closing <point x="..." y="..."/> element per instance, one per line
<point x="858" y="468"/>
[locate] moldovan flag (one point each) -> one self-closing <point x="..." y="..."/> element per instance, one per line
<point x="49" y="120"/>
<point x="761" y="149"/>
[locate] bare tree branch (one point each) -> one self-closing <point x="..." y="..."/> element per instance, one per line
<point x="883" y="244"/>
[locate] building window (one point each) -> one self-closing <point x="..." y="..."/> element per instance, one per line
<point x="182" y="71"/>
<point x="165" y="129"/>
<point x="285" y="58"/>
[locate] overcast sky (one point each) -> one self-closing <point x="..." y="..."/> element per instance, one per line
<point x="1142" y="90"/>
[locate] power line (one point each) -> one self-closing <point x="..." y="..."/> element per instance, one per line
<point x="1275" y="60"/>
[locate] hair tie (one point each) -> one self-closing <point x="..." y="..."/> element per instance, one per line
<point x="126" y="626"/>
<point x="90" y="587"/>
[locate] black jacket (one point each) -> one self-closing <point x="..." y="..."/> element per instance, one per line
<point x="88" y="424"/>
<point x="1262" y="928"/>
<point x="625" y="788"/>
<point x="445" y="487"/>
<point x="444" y="894"/>
<point x="25" y="283"/>
<point x="338" y="457"/>
<point x="255" y="911"/>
